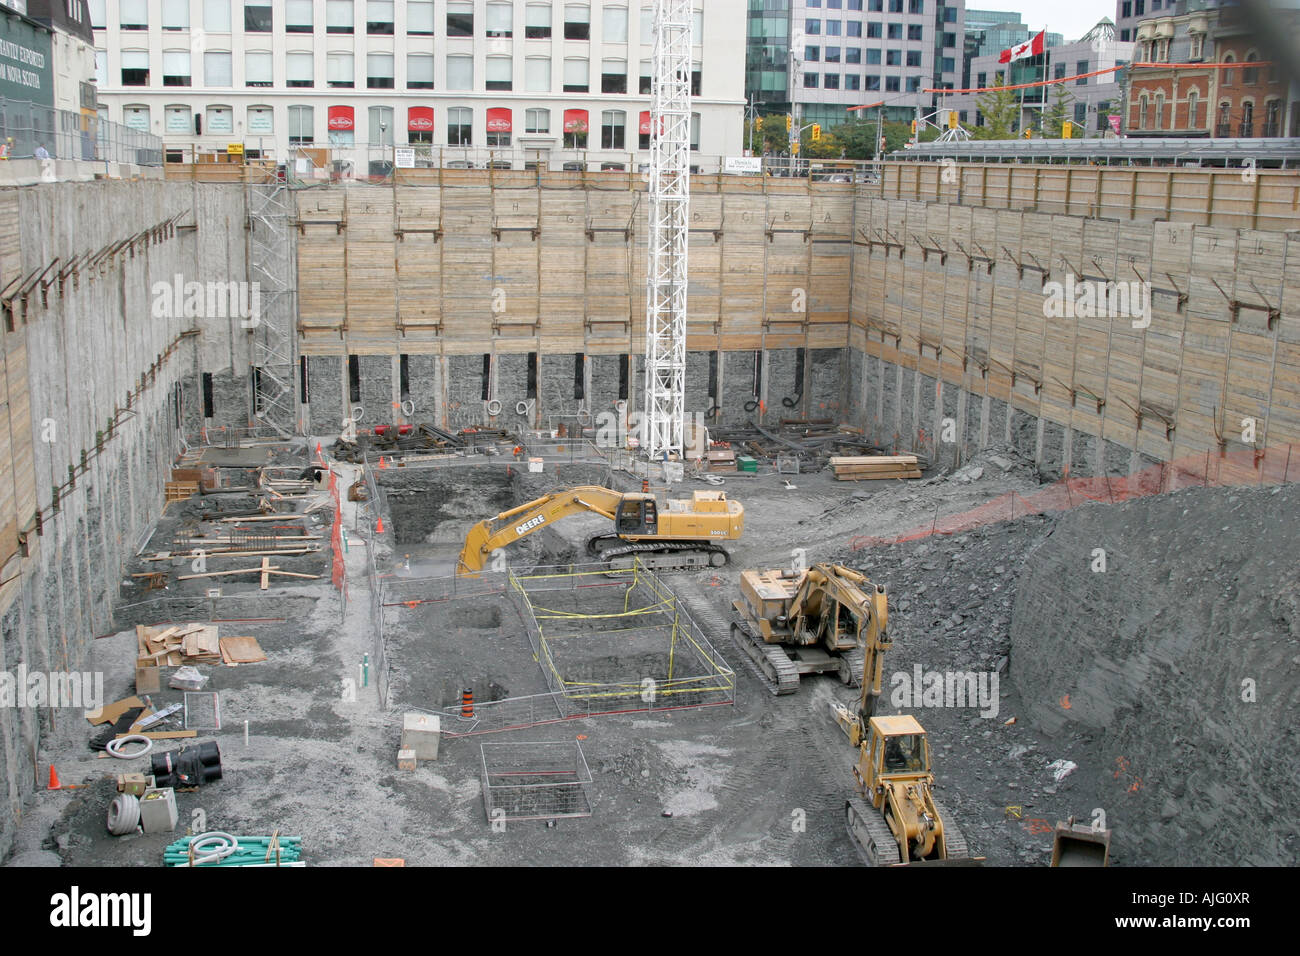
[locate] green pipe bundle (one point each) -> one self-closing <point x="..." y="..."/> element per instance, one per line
<point x="251" y="850"/>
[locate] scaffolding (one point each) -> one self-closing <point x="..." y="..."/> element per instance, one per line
<point x="272" y="271"/>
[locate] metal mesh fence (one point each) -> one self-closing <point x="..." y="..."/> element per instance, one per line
<point x="25" y="127"/>
<point x="535" y="781"/>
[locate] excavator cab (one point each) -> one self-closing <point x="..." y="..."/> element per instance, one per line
<point x="637" y="516"/>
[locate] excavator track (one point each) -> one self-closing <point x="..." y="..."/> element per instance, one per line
<point x="953" y="838"/>
<point x="851" y="663"/>
<point x="659" y="555"/>
<point x="778" y="673"/>
<point x="871" y="834"/>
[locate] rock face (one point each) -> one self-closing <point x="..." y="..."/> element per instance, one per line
<point x="1177" y="668"/>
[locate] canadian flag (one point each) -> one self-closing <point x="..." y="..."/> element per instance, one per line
<point x="1031" y="47"/>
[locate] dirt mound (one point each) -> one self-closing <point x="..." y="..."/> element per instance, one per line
<point x="1159" y="643"/>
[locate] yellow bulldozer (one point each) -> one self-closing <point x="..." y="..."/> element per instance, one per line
<point x="684" y="534"/>
<point x="895" y="818"/>
<point x="826" y="619"/>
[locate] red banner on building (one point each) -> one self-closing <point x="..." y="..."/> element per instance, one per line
<point x="419" y="119"/>
<point x="499" y="120"/>
<point x="575" y="121"/>
<point x="645" y="122"/>
<point x="340" y="118"/>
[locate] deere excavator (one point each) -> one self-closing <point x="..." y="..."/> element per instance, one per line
<point x="686" y="534"/>
<point x="828" y="618"/>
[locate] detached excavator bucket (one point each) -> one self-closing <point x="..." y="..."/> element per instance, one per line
<point x="1079" y="845"/>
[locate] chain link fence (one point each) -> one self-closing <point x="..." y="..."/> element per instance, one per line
<point x="26" y="127"/>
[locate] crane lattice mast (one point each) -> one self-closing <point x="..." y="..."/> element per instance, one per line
<point x="670" y="193"/>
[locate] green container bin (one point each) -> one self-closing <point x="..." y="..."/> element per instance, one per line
<point x="745" y="463"/>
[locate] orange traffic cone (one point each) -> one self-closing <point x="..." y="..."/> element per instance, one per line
<point x="379" y="528"/>
<point x="54" y="779"/>
<point x="381" y="462"/>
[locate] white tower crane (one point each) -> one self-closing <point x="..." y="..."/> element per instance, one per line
<point x="670" y="194"/>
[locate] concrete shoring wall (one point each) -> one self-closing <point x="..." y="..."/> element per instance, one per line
<point x="100" y="379"/>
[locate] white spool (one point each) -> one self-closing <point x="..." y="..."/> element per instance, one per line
<point x="493" y="407"/>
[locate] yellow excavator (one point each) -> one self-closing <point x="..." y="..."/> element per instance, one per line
<point x="895" y="818"/>
<point x="684" y="534"/>
<point x="827" y="618"/>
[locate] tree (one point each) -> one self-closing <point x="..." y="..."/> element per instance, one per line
<point x="1058" y="112"/>
<point x="771" y="137"/>
<point x="1000" y="108"/>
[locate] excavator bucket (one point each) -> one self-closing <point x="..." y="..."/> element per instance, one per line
<point x="1079" y="845"/>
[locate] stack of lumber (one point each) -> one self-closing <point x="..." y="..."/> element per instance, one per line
<point x="874" y="467"/>
<point x="194" y="644"/>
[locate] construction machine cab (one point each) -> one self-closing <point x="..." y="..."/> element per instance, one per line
<point x="637" y="515"/>
<point x="896" y="747"/>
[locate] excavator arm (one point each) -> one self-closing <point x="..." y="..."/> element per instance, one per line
<point x="509" y="526"/>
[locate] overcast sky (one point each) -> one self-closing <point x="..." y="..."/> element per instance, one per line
<point x="1072" y="19"/>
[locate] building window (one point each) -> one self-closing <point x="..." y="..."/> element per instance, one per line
<point x="832" y="54"/>
<point x="460" y="126"/>
<point x="1272" y="118"/>
<point x="576" y="76"/>
<point x="1223" y="128"/>
<point x="831" y="81"/>
<point x="216" y="16"/>
<point x="176" y="67"/>
<point x="613" y="129"/>
<point x="852" y="81"/>
<point x="833" y="28"/>
<point x="695" y="132"/>
<point x="537" y="21"/>
<point x="261" y="120"/>
<point x="913" y="84"/>
<point x="221" y="119"/>
<point x="873" y="57"/>
<point x="1198" y="46"/>
<point x="1081" y="67"/>
<point x="613" y="76"/>
<point x="1226" y="72"/>
<point x="1250" y="74"/>
<point x="379" y="71"/>
<point x="947" y="65"/>
<point x="873" y="31"/>
<point x="575" y="135"/>
<point x="913" y="57"/>
<point x="853" y="54"/>
<point x="812" y="28"/>
<point x="537" y="74"/>
<point x="1081" y="114"/>
<point x="614" y="24"/>
<point x="258" y="69"/>
<point x="133" y="14"/>
<point x="460" y="19"/>
<point x="577" y="21"/>
<point x="419" y="20"/>
<point x="871" y="83"/>
<point x="499" y="123"/>
<point x="1160" y="111"/>
<point x="892" y="84"/>
<point x="853" y="28"/>
<point x="500" y="73"/>
<point x="914" y="32"/>
<point x="810" y="81"/>
<point x="981" y="80"/>
<point x="893" y="58"/>
<point x="257" y="19"/>
<point x="177" y="119"/>
<point x="697" y="28"/>
<point x="1193" y="108"/>
<point x="500" y="21"/>
<point x="298" y="16"/>
<point x="176" y="14"/>
<point x="339" y="73"/>
<point x="949" y="40"/>
<point x="338" y="16"/>
<point x="1142" y="112"/>
<point x="812" y="54"/>
<point x="98" y="16"/>
<point x="381" y="126"/>
<point x="136" y="117"/>
<point x="216" y="69"/>
<point x="379" y="17"/>
<point x="645" y="85"/>
<point x="419" y="71"/>
<point x="299" y="70"/>
<point x="460" y="72"/>
<point x="895" y="31"/>
<point x="916" y="6"/>
<point x="537" y="121"/>
<point x="1247" y="128"/>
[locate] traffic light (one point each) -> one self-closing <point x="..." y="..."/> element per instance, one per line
<point x="913" y="127"/>
<point x="789" y="122"/>
<point x="882" y="144"/>
<point x="952" y="119"/>
<point x="758" y="124"/>
<point x="794" y="148"/>
<point x="1029" y="132"/>
<point x="816" y="132"/>
<point x="1067" y="130"/>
